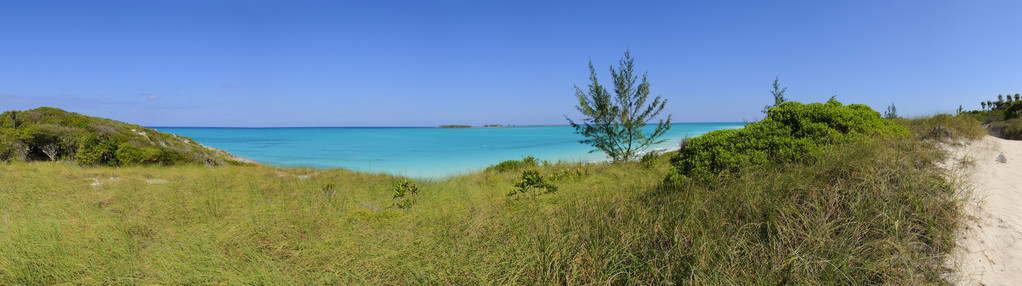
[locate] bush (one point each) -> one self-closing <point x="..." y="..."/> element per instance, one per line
<point x="792" y="132"/>
<point x="12" y="149"/>
<point x="403" y="192"/>
<point x="649" y="159"/>
<point x="568" y="175"/>
<point x="531" y="179"/>
<point x="510" y="165"/>
<point x="128" y="154"/>
<point x="93" y="150"/>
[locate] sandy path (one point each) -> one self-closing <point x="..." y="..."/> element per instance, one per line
<point x="990" y="248"/>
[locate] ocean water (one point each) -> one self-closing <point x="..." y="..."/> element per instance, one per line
<point x="413" y="152"/>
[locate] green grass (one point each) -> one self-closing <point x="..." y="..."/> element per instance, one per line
<point x="869" y="212"/>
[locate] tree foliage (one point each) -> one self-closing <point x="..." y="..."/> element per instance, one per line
<point x="778" y="94"/>
<point x="891" y="112"/>
<point x="615" y="124"/>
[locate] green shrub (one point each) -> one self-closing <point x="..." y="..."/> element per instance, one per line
<point x="403" y="192"/>
<point x="649" y="159"/>
<point x="531" y="179"/>
<point x="12" y="149"/>
<point x="128" y="154"/>
<point x="93" y="150"/>
<point x="510" y="165"/>
<point x="792" y="132"/>
<point x="568" y="175"/>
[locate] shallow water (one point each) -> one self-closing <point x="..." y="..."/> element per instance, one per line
<point x="412" y="152"/>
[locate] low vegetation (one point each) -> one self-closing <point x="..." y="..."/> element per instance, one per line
<point x="792" y="132"/>
<point x="1007" y="129"/>
<point x="51" y="134"/>
<point x="1003" y="118"/>
<point x="510" y="165"/>
<point x="870" y="208"/>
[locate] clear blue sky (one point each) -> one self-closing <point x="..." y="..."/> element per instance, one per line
<point x="425" y="63"/>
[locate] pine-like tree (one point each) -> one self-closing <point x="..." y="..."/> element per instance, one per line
<point x="614" y="125"/>
<point x="892" y="112"/>
<point x="778" y="94"/>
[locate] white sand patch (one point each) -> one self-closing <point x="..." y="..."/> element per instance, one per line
<point x="989" y="249"/>
<point x="95" y="182"/>
<point x="156" y="181"/>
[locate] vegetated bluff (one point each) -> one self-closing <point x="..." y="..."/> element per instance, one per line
<point x="48" y="133"/>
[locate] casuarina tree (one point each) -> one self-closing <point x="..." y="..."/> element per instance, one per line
<point x="614" y="124"/>
<point x="778" y="94"/>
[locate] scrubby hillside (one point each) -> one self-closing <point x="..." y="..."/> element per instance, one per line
<point x="52" y="134"/>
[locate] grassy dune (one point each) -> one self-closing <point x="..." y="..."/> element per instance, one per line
<point x="869" y="212"/>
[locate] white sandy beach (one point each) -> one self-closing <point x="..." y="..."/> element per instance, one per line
<point x="989" y="249"/>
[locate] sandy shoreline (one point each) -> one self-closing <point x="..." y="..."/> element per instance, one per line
<point x="989" y="248"/>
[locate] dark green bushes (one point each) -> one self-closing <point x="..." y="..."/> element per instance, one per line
<point x="792" y="132"/>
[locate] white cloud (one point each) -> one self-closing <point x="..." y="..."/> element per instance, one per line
<point x="154" y="97"/>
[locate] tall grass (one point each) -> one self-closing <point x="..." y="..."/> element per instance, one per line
<point x="871" y="212"/>
<point x="944" y="127"/>
<point x="1008" y="129"/>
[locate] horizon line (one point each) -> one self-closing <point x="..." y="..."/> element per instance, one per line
<point x="438" y="126"/>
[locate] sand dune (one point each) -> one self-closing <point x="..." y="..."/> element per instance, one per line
<point x="989" y="249"/>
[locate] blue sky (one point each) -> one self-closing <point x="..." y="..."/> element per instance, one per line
<point x="426" y="63"/>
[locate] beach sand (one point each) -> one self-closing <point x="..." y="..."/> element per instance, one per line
<point x="989" y="250"/>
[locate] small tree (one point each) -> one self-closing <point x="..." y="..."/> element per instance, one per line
<point x="892" y="112"/>
<point x="614" y="126"/>
<point x="1016" y="97"/>
<point x="983" y="105"/>
<point x="778" y="94"/>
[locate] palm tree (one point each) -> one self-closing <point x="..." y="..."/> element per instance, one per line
<point x="983" y="104"/>
<point x="1016" y="97"/>
<point x="1000" y="98"/>
<point x="990" y="104"/>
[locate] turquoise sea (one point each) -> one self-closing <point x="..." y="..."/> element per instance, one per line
<point x="410" y="151"/>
